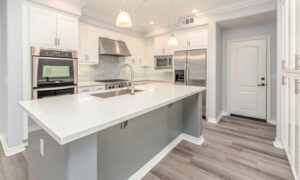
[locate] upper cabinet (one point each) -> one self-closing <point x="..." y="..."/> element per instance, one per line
<point x="67" y="32"/>
<point x="161" y="45"/>
<point x="88" y="44"/>
<point x="186" y="39"/>
<point x="136" y="47"/>
<point x="51" y="29"/>
<point x="192" y="39"/>
<point x="42" y="27"/>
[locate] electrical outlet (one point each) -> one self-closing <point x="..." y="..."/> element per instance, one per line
<point x="42" y="147"/>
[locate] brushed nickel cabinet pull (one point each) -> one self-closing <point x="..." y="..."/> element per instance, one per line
<point x="297" y="86"/>
<point x="297" y="59"/>
<point x="283" y="80"/>
<point x="283" y="64"/>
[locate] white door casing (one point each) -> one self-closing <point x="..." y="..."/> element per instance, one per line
<point x="248" y="67"/>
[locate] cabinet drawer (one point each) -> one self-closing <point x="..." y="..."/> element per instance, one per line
<point x="90" y="89"/>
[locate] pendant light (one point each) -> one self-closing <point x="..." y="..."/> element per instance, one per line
<point x="172" y="40"/>
<point x="123" y="19"/>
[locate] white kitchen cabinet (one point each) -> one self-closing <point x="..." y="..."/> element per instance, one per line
<point x="90" y="89"/>
<point x="89" y="44"/>
<point x="67" y="32"/>
<point x="191" y="39"/>
<point x="50" y="29"/>
<point x="42" y="27"/>
<point x="149" y="59"/>
<point x="161" y="45"/>
<point x="136" y="47"/>
<point x="198" y="38"/>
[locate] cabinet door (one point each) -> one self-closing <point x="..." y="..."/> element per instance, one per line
<point x="67" y="32"/>
<point x="149" y="59"/>
<point x="182" y="40"/>
<point x="285" y="110"/>
<point x="297" y="130"/>
<point x="198" y="38"/>
<point x="292" y="120"/>
<point x="297" y="39"/>
<point x="161" y="45"/>
<point x="92" y="45"/>
<point x="82" y="44"/>
<point x="42" y="27"/>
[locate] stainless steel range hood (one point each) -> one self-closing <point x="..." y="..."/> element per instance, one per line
<point x="109" y="47"/>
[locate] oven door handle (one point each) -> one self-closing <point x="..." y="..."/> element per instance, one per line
<point x="55" y="58"/>
<point x="55" y="88"/>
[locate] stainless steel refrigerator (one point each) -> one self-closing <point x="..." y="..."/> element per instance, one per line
<point x="190" y="69"/>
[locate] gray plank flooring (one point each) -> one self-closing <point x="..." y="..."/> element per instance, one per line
<point x="13" y="167"/>
<point x="235" y="148"/>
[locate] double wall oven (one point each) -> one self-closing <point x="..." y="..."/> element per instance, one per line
<point x="54" y="72"/>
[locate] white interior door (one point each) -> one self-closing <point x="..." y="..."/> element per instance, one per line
<point x="248" y="78"/>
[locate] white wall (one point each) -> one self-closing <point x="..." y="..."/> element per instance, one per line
<point x="3" y="71"/>
<point x="249" y="31"/>
<point x="218" y="70"/>
<point x="11" y="73"/>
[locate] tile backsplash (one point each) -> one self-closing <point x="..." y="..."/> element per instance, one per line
<point x="109" y="68"/>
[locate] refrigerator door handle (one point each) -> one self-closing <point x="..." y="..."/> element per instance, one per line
<point x="187" y="74"/>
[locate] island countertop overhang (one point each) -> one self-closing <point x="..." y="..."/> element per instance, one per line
<point x="71" y="117"/>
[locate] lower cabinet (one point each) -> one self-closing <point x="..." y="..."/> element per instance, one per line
<point x="90" y="89"/>
<point x="291" y="119"/>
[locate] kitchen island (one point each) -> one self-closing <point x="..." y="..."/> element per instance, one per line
<point x="85" y="136"/>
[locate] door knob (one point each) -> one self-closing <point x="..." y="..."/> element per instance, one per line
<point x="262" y="84"/>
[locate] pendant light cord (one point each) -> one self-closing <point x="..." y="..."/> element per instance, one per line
<point x="172" y="9"/>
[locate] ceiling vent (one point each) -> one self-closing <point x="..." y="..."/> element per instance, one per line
<point x="187" y="21"/>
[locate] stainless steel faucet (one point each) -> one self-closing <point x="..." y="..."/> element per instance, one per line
<point x="132" y="77"/>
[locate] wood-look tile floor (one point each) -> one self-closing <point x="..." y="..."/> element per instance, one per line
<point x="235" y="148"/>
<point x="13" y="167"/>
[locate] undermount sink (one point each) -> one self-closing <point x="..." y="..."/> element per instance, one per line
<point x="114" y="93"/>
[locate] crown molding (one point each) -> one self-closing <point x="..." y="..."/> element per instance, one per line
<point x="232" y="7"/>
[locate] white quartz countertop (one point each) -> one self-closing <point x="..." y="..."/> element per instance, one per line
<point x="68" y="118"/>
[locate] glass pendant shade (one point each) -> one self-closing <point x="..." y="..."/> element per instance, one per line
<point x="123" y="19"/>
<point x="172" y="41"/>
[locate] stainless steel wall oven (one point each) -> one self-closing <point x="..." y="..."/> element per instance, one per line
<point x="54" y="72"/>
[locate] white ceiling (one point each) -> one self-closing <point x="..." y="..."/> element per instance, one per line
<point x="159" y="11"/>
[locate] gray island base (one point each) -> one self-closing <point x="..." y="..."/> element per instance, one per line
<point x="118" y="152"/>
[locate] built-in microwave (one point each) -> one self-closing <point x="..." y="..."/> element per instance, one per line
<point x="164" y="62"/>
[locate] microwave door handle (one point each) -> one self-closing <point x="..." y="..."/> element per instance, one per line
<point x="186" y="73"/>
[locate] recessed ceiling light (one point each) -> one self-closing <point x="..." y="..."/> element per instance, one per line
<point x="151" y="22"/>
<point x="194" y="10"/>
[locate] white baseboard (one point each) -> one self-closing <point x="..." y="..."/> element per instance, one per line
<point x="272" y="121"/>
<point x="193" y="139"/>
<point x="10" y="151"/>
<point x="218" y="118"/>
<point x="278" y="144"/>
<point x="158" y="157"/>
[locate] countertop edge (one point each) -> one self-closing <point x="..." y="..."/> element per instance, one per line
<point x="70" y="138"/>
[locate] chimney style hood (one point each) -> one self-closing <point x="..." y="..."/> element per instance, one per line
<point x="109" y="47"/>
